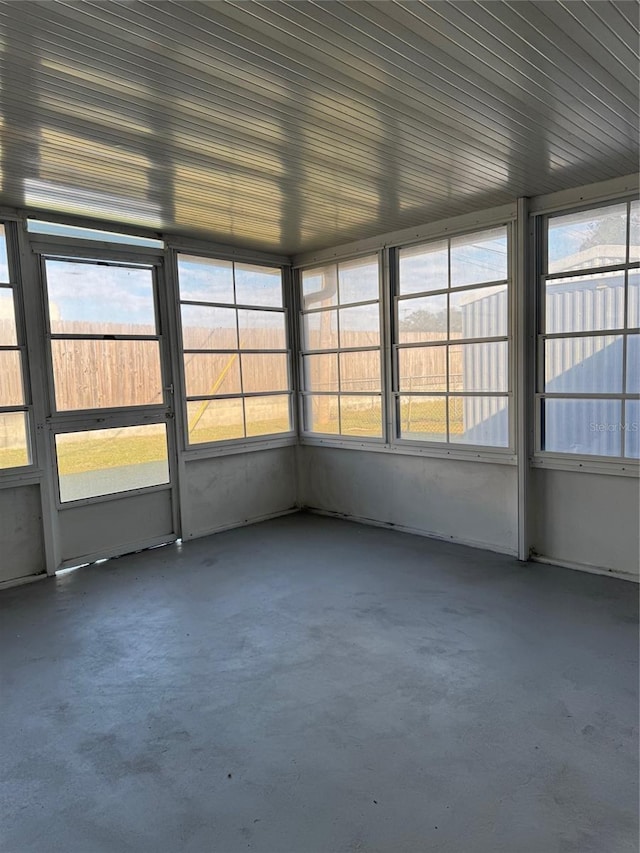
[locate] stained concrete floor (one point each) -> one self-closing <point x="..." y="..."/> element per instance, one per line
<point x="308" y="685"/>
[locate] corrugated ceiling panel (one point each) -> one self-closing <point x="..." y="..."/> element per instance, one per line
<point x="290" y="126"/>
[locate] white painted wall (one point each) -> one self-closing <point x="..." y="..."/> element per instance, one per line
<point x="470" y="502"/>
<point x="228" y="491"/>
<point x="21" y="539"/>
<point x="586" y="520"/>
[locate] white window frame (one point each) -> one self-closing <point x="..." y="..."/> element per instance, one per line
<point x="19" y="473"/>
<point x="215" y="252"/>
<point x="341" y="438"/>
<point x="448" y="447"/>
<point x="544" y="209"/>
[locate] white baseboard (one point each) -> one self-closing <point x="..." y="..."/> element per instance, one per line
<point x="198" y="534"/>
<point x="20" y="581"/>
<point x="585" y="567"/>
<point x="416" y="531"/>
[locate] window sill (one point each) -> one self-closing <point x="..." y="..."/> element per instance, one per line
<point x="614" y="467"/>
<point x="192" y="454"/>
<point x="505" y="457"/>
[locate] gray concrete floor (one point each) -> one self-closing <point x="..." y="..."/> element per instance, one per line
<point x="308" y="685"/>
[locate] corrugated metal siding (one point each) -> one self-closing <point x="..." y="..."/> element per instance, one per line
<point x="292" y="126"/>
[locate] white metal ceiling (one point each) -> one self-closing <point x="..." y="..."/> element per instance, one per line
<point x="290" y="126"/>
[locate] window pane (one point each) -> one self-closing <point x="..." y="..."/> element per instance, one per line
<point x="479" y="313"/>
<point x="423" y="368"/>
<point x="215" y="420"/>
<point x="8" y="335"/>
<point x="479" y="367"/>
<point x="423" y="418"/>
<point x="209" y="328"/>
<point x="358" y="280"/>
<point x="107" y="461"/>
<point x="209" y="374"/>
<point x="633" y="364"/>
<point x="424" y="268"/>
<point x="479" y="257"/>
<point x="267" y="415"/>
<point x="320" y="372"/>
<point x="258" y="285"/>
<point x="584" y="365"/>
<point x="585" y="304"/>
<point x="321" y="414"/>
<point x="632" y="429"/>
<point x="11" y="390"/>
<point x="360" y="327"/>
<point x="320" y="330"/>
<point x="479" y="420"/>
<point x="97" y="299"/>
<point x="56" y="229"/>
<point x="591" y="238"/>
<point x="360" y="371"/>
<point x="205" y="280"/>
<point x="634" y="232"/>
<point x="4" y="263"/>
<point x="582" y="426"/>
<point x="14" y="440"/>
<point x="633" y="305"/>
<point x="264" y="373"/>
<point x="262" y="330"/>
<point x="361" y="416"/>
<point x="90" y="374"/>
<point x="423" y="319"/>
<point x="320" y="287"/>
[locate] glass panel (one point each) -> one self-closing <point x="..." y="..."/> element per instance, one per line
<point x="108" y="461"/>
<point x="424" y="268"/>
<point x="205" y="280"/>
<point x="267" y="415"/>
<point x="262" y="330"/>
<point x="97" y="299"/>
<point x="320" y="330"/>
<point x="209" y="328"/>
<point x="11" y="390"/>
<point x="8" y="334"/>
<point x="584" y="365"/>
<point x="211" y="374"/>
<point x="360" y="327"/>
<point x="360" y="371"/>
<point x="423" y="368"/>
<point x="423" y="319"/>
<point x="591" y="238"/>
<point x="320" y="372"/>
<point x="479" y="257"/>
<point x="14" y="440"/>
<point x="585" y="304"/>
<point x="479" y="420"/>
<point x="633" y="305"/>
<point x="97" y="374"/>
<point x="361" y="416"/>
<point x="321" y="414"/>
<point x="4" y="262"/>
<point x="319" y="287"/>
<point x="582" y="426"/>
<point x="258" y="286"/>
<point x="423" y="418"/>
<point x="479" y="313"/>
<point x="358" y="280"/>
<point x="215" y="420"/>
<point x="55" y="229"/>
<point x="479" y="367"/>
<point x="634" y="232"/>
<point x="633" y="364"/>
<point x="264" y="373"/>
<point x="632" y="429"/>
